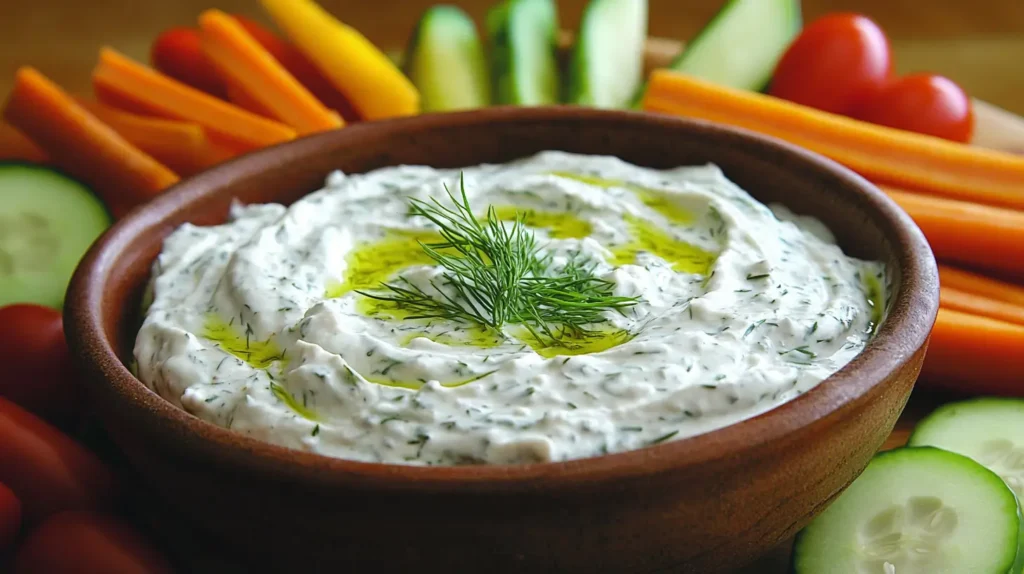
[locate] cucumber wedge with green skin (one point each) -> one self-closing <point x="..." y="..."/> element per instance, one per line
<point x="607" y="63"/>
<point x="47" y="222"/>
<point x="522" y="37"/>
<point x="915" y="510"/>
<point x="446" y="61"/>
<point x="742" y="44"/>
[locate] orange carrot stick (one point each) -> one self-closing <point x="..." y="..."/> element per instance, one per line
<point x="15" y="146"/>
<point x="981" y="285"/>
<point x="885" y="155"/>
<point x="304" y="70"/>
<point x="958" y="300"/>
<point x="975" y="354"/>
<point x="183" y="146"/>
<point x="120" y="173"/>
<point x="178" y="53"/>
<point x="156" y="94"/>
<point x="967" y="233"/>
<point x="252" y="69"/>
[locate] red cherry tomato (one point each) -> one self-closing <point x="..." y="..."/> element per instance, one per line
<point x="85" y="543"/>
<point x="923" y="103"/>
<point x="10" y="517"/>
<point x="178" y="53"/>
<point x="37" y="372"/>
<point x="835" y="63"/>
<point x="47" y="470"/>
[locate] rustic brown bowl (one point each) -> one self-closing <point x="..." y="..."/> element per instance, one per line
<point x="701" y="504"/>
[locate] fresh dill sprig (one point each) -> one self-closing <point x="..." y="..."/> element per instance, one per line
<point x="498" y="276"/>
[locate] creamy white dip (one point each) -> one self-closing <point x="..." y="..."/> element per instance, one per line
<point x="256" y="325"/>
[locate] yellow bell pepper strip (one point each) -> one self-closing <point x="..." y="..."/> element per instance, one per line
<point x="374" y="85"/>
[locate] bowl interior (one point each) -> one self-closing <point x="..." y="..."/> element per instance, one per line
<point x="107" y="289"/>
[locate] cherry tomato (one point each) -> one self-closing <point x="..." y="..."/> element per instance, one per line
<point x="46" y="469"/>
<point x="178" y="53"/>
<point x="923" y="103"/>
<point x="87" y="543"/>
<point x="10" y="517"/>
<point x="37" y="371"/>
<point x="835" y="63"/>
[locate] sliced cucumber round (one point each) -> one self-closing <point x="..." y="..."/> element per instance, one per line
<point x="446" y="61"/>
<point x="607" y="63"/>
<point x="524" y="60"/>
<point x="989" y="430"/>
<point x="915" y="510"/>
<point x="47" y="222"/>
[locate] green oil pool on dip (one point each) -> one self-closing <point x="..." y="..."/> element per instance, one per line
<point x="684" y="257"/>
<point x="286" y="398"/>
<point x="239" y="341"/>
<point x="876" y="299"/>
<point x="597" y="338"/>
<point x="558" y="225"/>
<point x="656" y="199"/>
<point x="416" y="385"/>
<point x="370" y="264"/>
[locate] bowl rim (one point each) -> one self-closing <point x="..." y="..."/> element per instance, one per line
<point x="904" y="332"/>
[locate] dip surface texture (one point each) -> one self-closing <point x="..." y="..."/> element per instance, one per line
<point x="258" y="325"/>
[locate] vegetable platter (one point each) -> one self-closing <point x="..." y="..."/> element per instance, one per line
<point x="71" y="163"/>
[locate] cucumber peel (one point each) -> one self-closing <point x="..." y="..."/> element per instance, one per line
<point x="522" y="36"/>
<point x="741" y="45"/>
<point x="606" y="66"/>
<point x="446" y="61"/>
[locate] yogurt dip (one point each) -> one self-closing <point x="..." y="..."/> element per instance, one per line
<point x="259" y="325"/>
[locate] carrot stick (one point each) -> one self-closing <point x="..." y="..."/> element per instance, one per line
<point x="958" y="300"/>
<point x="183" y="146"/>
<point x="304" y="70"/>
<point x="981" y="285"/>
<point x="178" y="53"/>
<point x="885" y="155"/>
<point x="253" y="70"/>
<point x="14" y="145"/>
<point x="967" y="233"/>
<point x="156" y="94"/>
<point x="354" y="65"/>
<point x="120" y="173"/>
<point x="975" y="354"/>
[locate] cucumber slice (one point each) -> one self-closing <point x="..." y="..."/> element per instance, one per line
<point x="989" y="430"/>
<point x="47" y="222"/>
<point x="915" y="510"/>
<point x="607" y="62"/>
<point x="524" y="65"/>
<point x="446" y="61"/>
<point x="742" y="43"/>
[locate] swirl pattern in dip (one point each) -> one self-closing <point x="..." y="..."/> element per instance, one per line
<point x="257" y="325"/>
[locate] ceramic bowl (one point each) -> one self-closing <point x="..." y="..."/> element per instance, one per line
<point x="701" y="504"/>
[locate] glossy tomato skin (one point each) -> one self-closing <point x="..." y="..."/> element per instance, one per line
<point x="76" y="542"/>
<point x="37" y="372"/>
<point x="837" y="61"/>
<point x="923" y="103"/>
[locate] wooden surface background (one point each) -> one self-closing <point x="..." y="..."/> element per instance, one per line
<point x="979" y="43"/>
